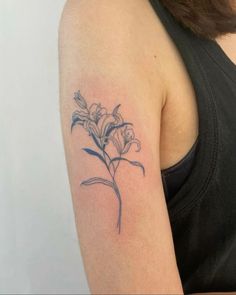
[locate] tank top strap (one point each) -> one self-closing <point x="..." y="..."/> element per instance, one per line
<point x="169" y="21"/>
<point x="194" y="57"/>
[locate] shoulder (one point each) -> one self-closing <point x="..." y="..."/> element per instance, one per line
<point x="116" y="37"/>
<point x="105" y="11"/>
<point x="103" y="18"/>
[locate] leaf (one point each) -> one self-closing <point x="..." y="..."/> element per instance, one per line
<point x="94" y="153"/>
<point x="116" y="127"/>
<point x="96" y="180"/>
<point x="134" y="163"/>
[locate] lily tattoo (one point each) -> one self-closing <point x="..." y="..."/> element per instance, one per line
<point x="106" y="130"/>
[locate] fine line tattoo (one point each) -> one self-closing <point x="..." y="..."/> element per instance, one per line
<point x="109" y="133"/>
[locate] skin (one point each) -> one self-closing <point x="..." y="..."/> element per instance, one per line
<point x="113" y="59"/>
<point x="228" y="44"/>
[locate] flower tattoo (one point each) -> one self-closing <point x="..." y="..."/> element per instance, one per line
<point x="107" y="130"/>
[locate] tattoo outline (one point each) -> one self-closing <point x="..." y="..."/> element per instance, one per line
<point x="106" y="128"/>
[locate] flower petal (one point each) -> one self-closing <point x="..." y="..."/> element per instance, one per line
<point x="92" y="128"/>
<point x="80" y="100"/>
<point x="119" y="119"/>
<point x="102" y="111"/>
<point x="76" y="120"/>
<point x="115" y="110"/>
<point x="128" y="145"/>
<point x="93" y="108"/>
<point x="96" y="112"/>
<point x="116" y="144"/>
<point x="105" y="122"/>
<point x="93" y="111"/>
<point x="128" y="134"/>
<point x="116" y="126"/>
<point x="82" y="115"/>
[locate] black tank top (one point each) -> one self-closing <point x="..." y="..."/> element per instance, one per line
<point x="203" y="211"/>
<point x="174" y="177"/>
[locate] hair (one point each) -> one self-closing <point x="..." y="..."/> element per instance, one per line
<point x="206" y="18"/>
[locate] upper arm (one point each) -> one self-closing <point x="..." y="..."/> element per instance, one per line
<point x="121" y="214"/>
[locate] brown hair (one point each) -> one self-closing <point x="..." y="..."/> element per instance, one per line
<point x="206" y="18"/>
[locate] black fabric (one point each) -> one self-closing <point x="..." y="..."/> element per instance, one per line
<point x="174" y="177"/>
<point x="203" y="211"/>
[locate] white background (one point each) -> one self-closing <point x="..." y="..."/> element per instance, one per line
<point x="39" y="251"/>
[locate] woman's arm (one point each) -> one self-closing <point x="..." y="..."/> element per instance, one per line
<point x="111" y="128"/>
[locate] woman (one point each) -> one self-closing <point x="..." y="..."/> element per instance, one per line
<point x="148" y="100"/>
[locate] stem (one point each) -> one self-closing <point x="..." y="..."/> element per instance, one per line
<point x="115" y="187"/>
<point x="104" y="155"/>
<point x="120" y="204"/>
<point x="108" y="166"/>
<point x="117" y="165"/>
<point x="109" y="158"/>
